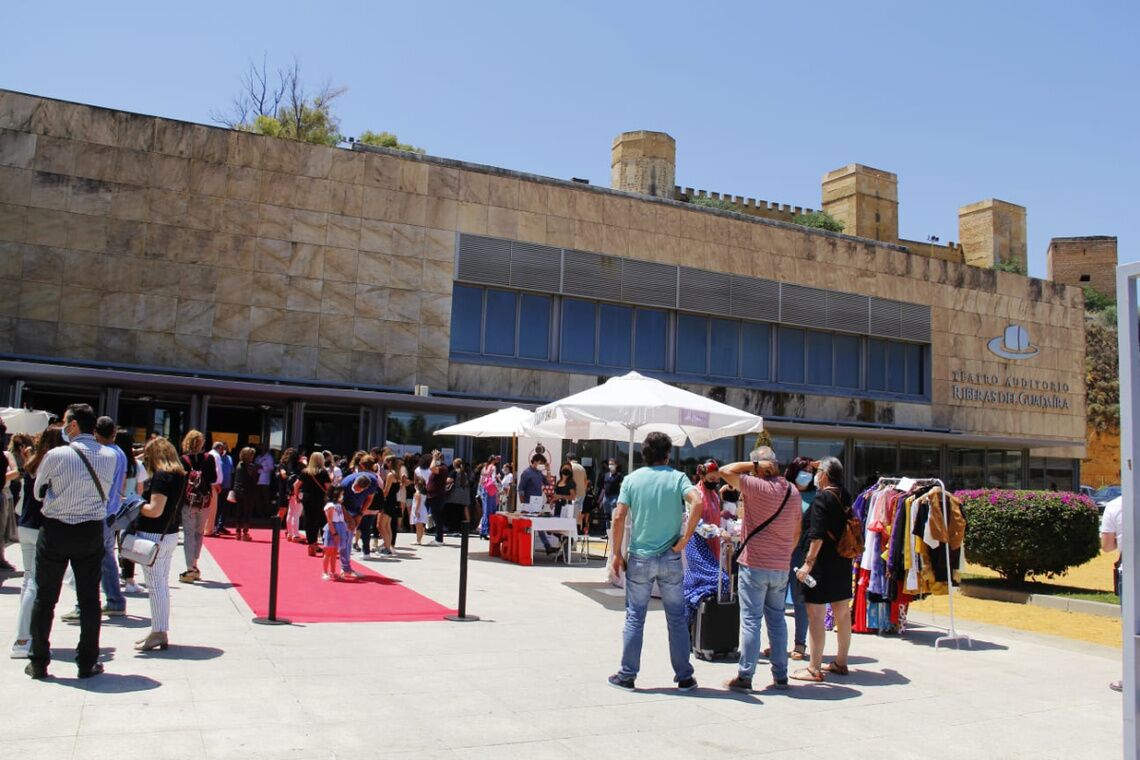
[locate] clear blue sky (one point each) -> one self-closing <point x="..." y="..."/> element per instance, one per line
<point x="1031" y="102"/>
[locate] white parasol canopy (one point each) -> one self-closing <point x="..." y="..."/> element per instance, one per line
<point x="29" y="421"/>
<point x="631" y="406"/>
<point x="505" y="423"/>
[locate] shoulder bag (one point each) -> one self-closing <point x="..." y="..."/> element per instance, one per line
<point x="763" y="525"/>
<point x="144" y="551"/>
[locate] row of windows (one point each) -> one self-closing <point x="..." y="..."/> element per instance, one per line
<point x="501" y="323"/>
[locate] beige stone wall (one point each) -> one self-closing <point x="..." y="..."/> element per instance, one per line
<point x="238" y="253"/>
<point x="991" y="231"/>
<point x="1068" y="260"/>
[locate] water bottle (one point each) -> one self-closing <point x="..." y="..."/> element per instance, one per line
<point x="808" y="580"/>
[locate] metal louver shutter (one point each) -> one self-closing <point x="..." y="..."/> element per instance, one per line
<point x="648" y="284"/>
<point x="848" y="312"/>
<point x="753" y="298"/>
<point x="885" y="317"/>
<point x="592" y="275"/>
<point x="804" y="306"/>
<point x="914" y="322"/>
<point x="705" y="292"/>
<point x="484" y="260"/>
<point x="536" y="267"/>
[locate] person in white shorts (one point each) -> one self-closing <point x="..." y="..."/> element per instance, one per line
<point x="419" y="501"/>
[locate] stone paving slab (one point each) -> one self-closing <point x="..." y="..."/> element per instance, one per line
<point x="528" y="681"/>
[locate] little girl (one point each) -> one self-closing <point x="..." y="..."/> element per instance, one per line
<point x="335" y="530"/>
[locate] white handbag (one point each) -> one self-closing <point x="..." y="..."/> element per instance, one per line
<point x="141" y="551"/>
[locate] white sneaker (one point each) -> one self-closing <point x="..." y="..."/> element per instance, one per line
<point x="326" y="577"/>
<point x="130" y="587"/>
<point x="20" y="651"/>
<point x="433" y="542"/>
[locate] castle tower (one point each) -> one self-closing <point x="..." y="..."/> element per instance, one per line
<point x="866" y="200"/>
<point x="644" y="162"/>
<point x="991" y="231"/>
<point x="1083" y="261"/>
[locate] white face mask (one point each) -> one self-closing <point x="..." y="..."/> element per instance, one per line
<point x="816" y="480"/>
<point x="613" y="468"/>
<point x="540" y="467"/>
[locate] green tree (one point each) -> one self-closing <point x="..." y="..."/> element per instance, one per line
<point x="820" y="220"/>
<point x="1097" y="302"/>
<point x="386" y="140"/>
<point x="706" y="202"/>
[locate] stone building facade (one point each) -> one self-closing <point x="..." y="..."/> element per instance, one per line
<point x="146" y="261"/>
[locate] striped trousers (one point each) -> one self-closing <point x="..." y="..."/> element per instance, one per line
<point x="157" y="580"/>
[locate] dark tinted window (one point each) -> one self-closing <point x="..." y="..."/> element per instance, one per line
<point x="578" y="331"/>
<point x="692" y="343"/>
<point x="724" y="348"/>
<point x="650" y="339"/>
<point x="847" y="361"/>
<point x="466" y="319"/>
<point x="896" y="368"/>
<point x="791" y="360"/>
<point x="614" y="335"/>
<point x="534" y="327"/>
<point x="914" y="369"/>
<point x="876" y="365"/>
<point x="500" y="338"/>
<point x="819" y="358"/>
<point x="755" y="351"/>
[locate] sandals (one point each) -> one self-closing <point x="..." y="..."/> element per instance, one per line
<point x="836" y="668"/>
<point x="807" y="674"/>
<point x="799" y="653"/>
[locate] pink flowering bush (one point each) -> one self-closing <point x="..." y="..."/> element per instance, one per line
<point x="1020" y="533"/>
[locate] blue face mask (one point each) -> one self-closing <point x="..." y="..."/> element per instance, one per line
<point x="804" y="479"/>
<point x="66" y="437"/>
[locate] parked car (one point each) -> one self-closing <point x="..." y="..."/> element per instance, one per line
<point x="1104" y="495"/>
<point x="1087" y="491"/>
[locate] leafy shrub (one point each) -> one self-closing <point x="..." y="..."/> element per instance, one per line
<point x="1020" y="533"/>
<point x="821" y="220"/>
<point x="1013" y="266"/>
<point x="723" y="204"/>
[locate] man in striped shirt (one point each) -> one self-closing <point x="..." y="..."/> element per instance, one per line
<point x="74" y="511"/>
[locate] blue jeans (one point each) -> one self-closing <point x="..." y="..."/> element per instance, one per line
<point x="762" y="592"/>
<point x="641" y="572"/>
<point x="111" y="590"/>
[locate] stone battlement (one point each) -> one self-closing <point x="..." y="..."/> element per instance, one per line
<point x="768" y="209"/>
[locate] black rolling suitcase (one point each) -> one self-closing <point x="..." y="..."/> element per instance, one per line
<point x="716" y="626"/>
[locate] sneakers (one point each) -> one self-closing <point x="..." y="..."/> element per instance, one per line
<point x="130" y="587"/>
<point x="20" y="651"/>
<point x="71" y="616"/>
<point x="351" y="574"/>
<point x="780" y="684"/>
<point x="35" y="672"/>
<point x="741" y="684"/>
<point x="114" y="611"/>
<point x="687" y="684"/>
<point x="1116" y="686"/>
<point x="386" y="553"/>
<point x="625" y="684"/>
<point x="326" y="577"/>
<point x="433" y="542"/>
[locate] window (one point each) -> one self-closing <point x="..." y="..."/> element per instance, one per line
<point x="873" y="461"/>
<point x="1003" y="469"/>
<point x="785" y="447"/>
<point x="816" y="448"/>
<point x="501" y="323"/>
<point x="791" y="359"/>
<point x="967" y="468"/>
<point x="578" y="331"/>
<point x="614" y="335"/>
<point x="819" y="358"/>
<point x="914" y="369"/>
<point x="920" y="461"/>
<point x="848" y="369"/>
<point x="534" y="327"/>
<point x="650" y="328"/>
<point x="607" y="337"/>
<point x="692" y="344"/>
<point x="466" y="319"/>
<point x="725" y="345"/>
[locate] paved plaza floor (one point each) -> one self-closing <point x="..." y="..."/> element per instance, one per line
<point x="529" y="681"/>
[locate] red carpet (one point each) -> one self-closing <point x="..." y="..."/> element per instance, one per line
<point x="304" y="598"/>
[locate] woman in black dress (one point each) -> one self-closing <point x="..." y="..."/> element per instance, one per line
<point x="245" y="491"/>
<point x="827" y="519"/>
<point x="315" y="480"/>
<point x="564" y="492"/>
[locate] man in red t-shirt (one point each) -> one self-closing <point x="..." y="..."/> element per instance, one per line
<point x="771" y="501"/>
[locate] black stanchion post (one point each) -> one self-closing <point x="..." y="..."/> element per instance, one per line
<point x="274" y="559"/>
<point x="463" y="617"/>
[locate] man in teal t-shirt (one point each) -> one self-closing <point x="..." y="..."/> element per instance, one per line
<point x="655" y="498"/>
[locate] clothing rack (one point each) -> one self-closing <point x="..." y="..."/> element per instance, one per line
<point x="951" y="632"/>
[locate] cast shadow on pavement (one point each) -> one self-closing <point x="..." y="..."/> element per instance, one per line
<point x="108" y="683"/>
<point x="183" y="652"/>
<point x="927" y="636"/>
<point x="705" y="692"/>
<point x="606" y="594"/>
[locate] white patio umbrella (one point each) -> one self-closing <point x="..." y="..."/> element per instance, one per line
<point x="505" y="423"/>
<point x="29" y="421"/>
<point x="629" y="407"/>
